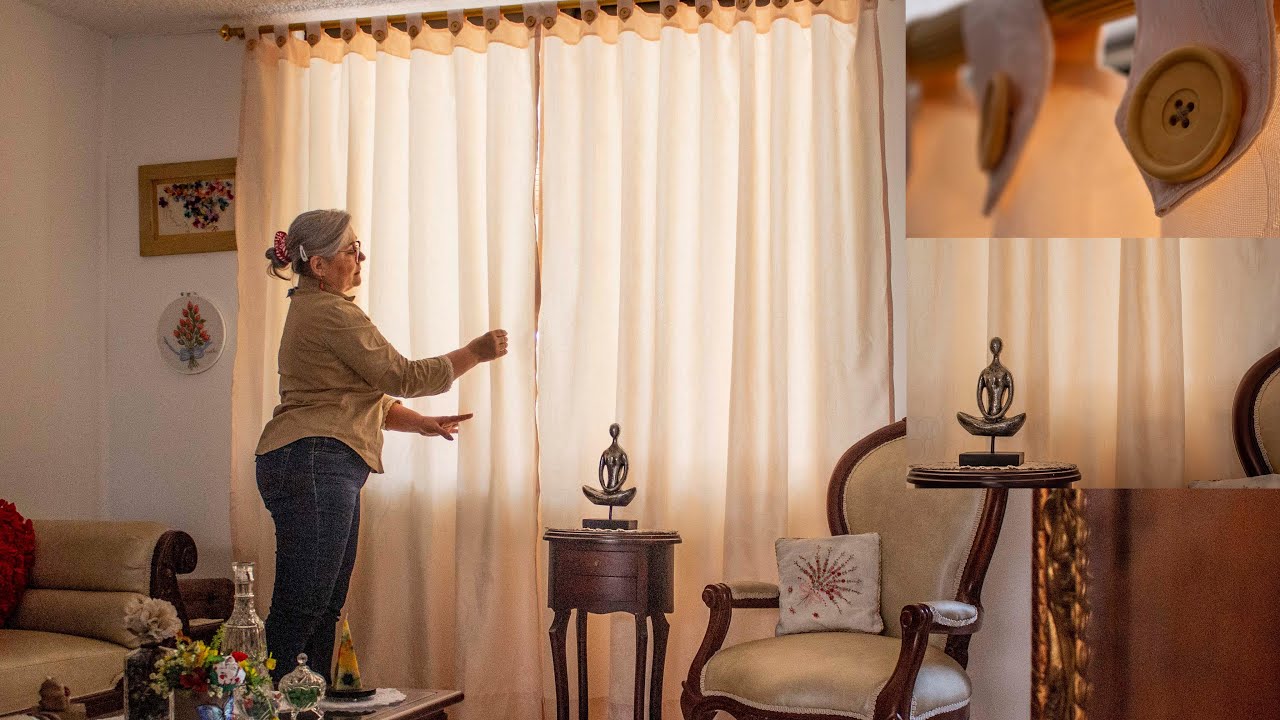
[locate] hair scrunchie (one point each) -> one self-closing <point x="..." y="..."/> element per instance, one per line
<point x="281" y="253"/>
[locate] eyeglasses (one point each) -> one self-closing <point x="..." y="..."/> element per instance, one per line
<point x="354" y="250"/>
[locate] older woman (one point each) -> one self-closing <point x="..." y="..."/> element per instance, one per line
<point x="339" y="378"/>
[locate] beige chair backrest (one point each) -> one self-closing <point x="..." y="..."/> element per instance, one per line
<point x="925" y="535"/>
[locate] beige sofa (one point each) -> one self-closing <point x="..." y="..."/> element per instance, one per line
<point x="69" y="623"/>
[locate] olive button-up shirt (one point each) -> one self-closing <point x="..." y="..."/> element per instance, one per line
<point x="338" y="375"/>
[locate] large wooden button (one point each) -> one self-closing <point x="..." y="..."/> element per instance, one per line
<point x="1184" y="114"/>
<point x="997" y="114"/>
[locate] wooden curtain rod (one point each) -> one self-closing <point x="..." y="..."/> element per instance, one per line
<point x="226" y="32"/>
<point x="937" y="43"/>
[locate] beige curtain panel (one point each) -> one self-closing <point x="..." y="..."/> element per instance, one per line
<point x="707" y="251"/>
<point x="715" y="274"/>
<point x="433" y="154"/>
<point x="1126" y="352"/>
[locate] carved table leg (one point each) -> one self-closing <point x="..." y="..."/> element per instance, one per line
<point x="642" y="651"/>
<point x="660" y="626"/>
<point x="559" y="662"/>
<point x="583" y="696"/>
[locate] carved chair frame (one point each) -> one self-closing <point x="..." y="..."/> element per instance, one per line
<point x="1244" y="415"/>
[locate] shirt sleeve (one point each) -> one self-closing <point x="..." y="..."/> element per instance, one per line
<point x="387" y="403"/>
<point x="353" y="337"/>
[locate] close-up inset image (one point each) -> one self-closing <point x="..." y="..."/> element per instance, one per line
<point x="1134" y="362"/>
<point x="1057" y="118"/>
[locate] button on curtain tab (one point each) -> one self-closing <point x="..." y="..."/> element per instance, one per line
<point x="997" y="113"/>
<point x="1184" y="114"/>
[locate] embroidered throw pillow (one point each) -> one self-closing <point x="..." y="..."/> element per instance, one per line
<point x="829" y="584"/>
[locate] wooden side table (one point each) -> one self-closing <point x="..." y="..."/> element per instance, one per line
<point x="1036" y="475"/>
<point x="605" y="571"/>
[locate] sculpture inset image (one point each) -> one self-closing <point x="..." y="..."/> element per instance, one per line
<point x="612" y="474"/>
<point x="995" y="396"/>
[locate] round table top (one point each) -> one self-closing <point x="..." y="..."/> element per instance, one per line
<point x="1026" y="475"/>
<point x="656" y="537"/>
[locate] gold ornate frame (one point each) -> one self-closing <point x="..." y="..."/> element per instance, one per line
<point x="150" y="242"/>
<point x="1060" y="611"/>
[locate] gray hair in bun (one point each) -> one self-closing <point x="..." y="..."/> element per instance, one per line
<point x="315" y="233"/>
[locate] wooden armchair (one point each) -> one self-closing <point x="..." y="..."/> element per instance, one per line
<point x="1255" y="417"/>
<point x="935" y="549"/>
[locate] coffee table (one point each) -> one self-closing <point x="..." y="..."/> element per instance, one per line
<point x="417" y="705"/>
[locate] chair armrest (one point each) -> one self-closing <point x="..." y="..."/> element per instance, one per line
<point x="952" y="617"/>
<point x="919" y="621"/>
<point x="748" y="594"/>
<point x="722" y="598"/>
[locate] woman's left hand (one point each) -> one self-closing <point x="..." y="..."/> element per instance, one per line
<point x="444" y="426"/>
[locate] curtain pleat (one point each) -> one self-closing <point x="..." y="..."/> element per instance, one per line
<point x="740" y="365"/>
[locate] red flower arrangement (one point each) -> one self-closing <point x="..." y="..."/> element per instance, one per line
<point x="17" y="557"/>
<point x="191" y="335"/>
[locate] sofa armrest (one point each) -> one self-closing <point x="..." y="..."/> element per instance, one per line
<point x="919" y="621"/>
<point x="175" y="554"/>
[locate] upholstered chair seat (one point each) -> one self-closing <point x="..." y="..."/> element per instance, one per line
<point x="778" y="674"/>
<point x="935" y="547"/>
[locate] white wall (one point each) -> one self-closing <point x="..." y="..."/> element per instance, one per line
<point x="168" y="444"/>
<point x="51" y="263"/>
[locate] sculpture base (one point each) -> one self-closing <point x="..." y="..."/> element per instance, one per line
<point x="603" y="524"/>
<point x="990" y="459"/>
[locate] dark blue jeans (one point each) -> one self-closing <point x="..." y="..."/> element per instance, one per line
<point x="312" y="488"/>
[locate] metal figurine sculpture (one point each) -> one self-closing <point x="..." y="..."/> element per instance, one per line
<point x="612" y="474"/>
<point x="995" y="395"/>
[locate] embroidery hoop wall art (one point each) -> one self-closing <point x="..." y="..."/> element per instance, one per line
<point x="187" y="207"/>
<point x="190" y="334"/>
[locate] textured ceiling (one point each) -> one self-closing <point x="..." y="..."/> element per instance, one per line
<point x="172" y="17"/>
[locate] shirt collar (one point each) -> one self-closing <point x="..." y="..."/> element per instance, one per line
<point x="306" y="283"/>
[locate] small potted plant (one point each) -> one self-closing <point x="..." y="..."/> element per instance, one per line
<point x="206" y="684"/>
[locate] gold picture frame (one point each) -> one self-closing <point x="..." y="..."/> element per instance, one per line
<point x="186" y="207"/>
<point x="1060" y="607"/>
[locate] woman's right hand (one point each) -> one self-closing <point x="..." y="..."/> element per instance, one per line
<point x="489" y="346"/>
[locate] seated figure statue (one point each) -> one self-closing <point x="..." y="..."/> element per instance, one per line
<point x="612" y="474"/>
<point x="995" y="395"/>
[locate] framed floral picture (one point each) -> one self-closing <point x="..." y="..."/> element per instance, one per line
<point x="187" y="207"/>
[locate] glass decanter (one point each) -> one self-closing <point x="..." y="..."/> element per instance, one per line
<point x="244" y="631"/>
<point x="303" y="688"/>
